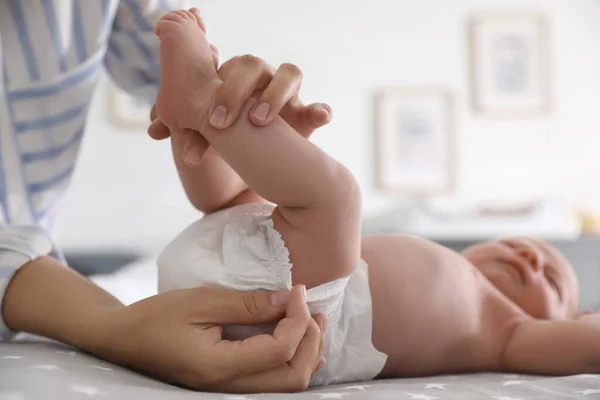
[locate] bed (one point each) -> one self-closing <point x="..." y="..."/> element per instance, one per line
<point x="38" y="369"/>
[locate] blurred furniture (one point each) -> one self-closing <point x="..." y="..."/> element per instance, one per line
<point x="545" y="218"/>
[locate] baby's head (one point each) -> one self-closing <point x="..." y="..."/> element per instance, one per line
<point x="531" y="273"/>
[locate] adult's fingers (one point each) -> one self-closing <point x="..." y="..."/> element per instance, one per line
<point x="280" y="90"/>
<point x="292" y="376"/>
<point x="195" y="148"/>
<point x="226" y="307"/>
<point x="263" y="352"/>
<point x="153" y="113"/>
<point x="248" y="73"/>
<point x="227" y="67"/>
<point x="321" y="321"/>
<point x="309" y="351"/>
<point x="157" y="130"/>
<point x="306" y="119"/>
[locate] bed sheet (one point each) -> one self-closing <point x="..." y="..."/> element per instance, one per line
<point x="39" y="369"/>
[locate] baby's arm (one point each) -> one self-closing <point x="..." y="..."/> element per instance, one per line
<point x="553" y="348"/>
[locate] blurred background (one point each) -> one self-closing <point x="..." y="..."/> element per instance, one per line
<point x="461" y="119"/>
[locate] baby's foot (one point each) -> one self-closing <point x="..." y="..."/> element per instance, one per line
<point x="186" y="70"/>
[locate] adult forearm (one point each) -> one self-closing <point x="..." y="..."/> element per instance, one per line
<point x="48" y="299"/>
<point x="212" y="184"/>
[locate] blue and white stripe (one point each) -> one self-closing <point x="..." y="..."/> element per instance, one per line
<point x="51" y="54"/>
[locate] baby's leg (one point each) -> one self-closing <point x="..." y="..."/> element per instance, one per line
<point x="186" y="69"/>
<point x="318" y="199"/>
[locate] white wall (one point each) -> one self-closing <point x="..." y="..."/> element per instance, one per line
<point x="126" y="193"/>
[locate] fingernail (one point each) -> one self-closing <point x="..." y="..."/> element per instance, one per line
<point x="192" y="156"/>
<point x="218" y="116"/>
<point x="278" y="299"/>
<point x="262" y="111"/>
<point x="324" y="329"/>
<point x="303" y="291"/>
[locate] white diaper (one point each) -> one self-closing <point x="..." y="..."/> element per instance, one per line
<point x="238" y="249"/>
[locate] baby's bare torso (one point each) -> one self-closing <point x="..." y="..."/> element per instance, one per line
<point x="433" y="312"/>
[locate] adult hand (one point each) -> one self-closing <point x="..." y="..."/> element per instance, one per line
<point x="177" y="336"/>
<point x="276" y="90"/>
<point x="244" y="77"/>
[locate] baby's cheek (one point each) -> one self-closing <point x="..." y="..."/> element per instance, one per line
<point x="560" y="312"/>
<point x="556" y="310"/>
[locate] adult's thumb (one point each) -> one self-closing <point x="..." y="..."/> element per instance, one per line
<point x="195" y="149"/>
<point x="218" y="306"/>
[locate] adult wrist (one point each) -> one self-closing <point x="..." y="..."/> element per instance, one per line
<point x="100" y="336"/>
<point x="47" y="298"/>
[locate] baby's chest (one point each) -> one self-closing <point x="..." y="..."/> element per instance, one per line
<point x="413" y="272"/>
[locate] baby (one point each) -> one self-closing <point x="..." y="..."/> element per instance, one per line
<point x="397" y="305"/>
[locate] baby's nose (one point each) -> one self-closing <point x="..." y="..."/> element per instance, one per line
<point x="533" y="257"/>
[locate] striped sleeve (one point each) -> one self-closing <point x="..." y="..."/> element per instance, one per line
<point x="18" y="246"/>
<point x="132" y="58"/>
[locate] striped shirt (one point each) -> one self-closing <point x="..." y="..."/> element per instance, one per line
<point x="51" y="55"/>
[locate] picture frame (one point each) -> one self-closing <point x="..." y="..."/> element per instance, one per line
<point x="126" y="111"/>
<point x="511" y="66"/>
<point x="415" y="141"/>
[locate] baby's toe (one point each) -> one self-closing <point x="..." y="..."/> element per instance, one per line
<point x="196" y="13"/>
<point x="171" y="20"/>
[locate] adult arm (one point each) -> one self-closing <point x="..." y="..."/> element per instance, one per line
<point x="18" y="246"/>
<point x="173" y="336"/>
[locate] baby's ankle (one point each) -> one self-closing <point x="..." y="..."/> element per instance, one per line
<point x="202" y="105"/>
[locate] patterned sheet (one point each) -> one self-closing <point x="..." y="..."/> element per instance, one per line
<point x="37" y="369"/>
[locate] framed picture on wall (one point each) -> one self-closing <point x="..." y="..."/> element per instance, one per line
<point x="415" y="141"/>
<point x="126" y="111"/>
<point x="510" y="64"/>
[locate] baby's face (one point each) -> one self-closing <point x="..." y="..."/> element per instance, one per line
<point x="531" y="273"/>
